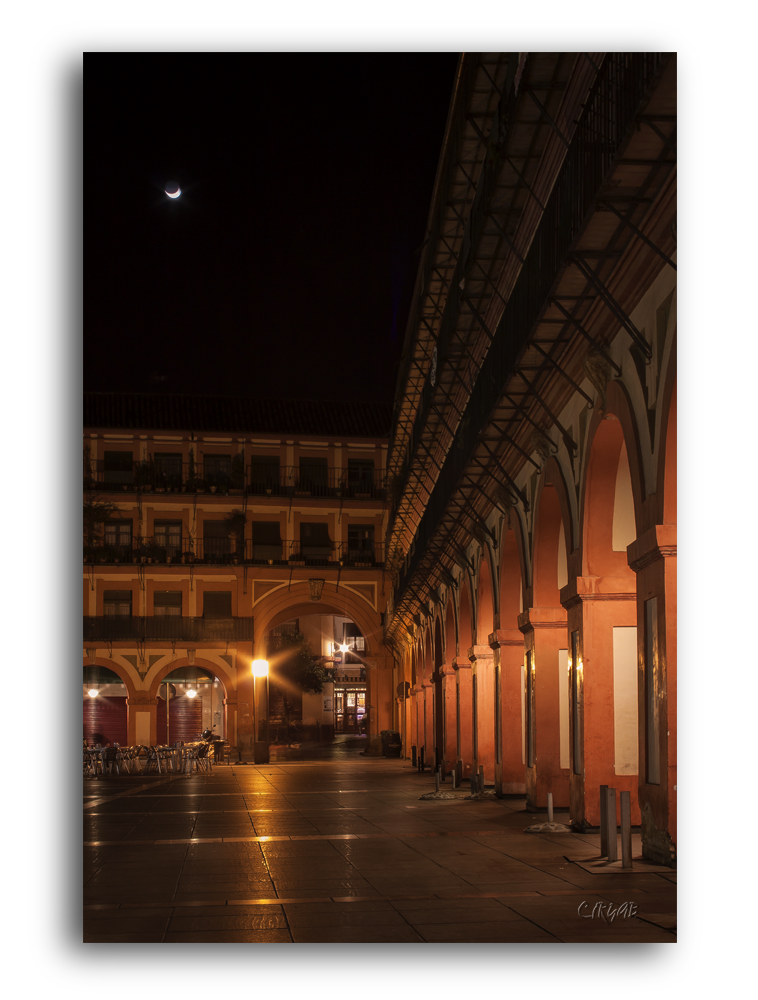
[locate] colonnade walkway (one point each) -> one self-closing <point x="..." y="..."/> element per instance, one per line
<point x="343" y="850"/>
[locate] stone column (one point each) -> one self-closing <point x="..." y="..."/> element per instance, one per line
<point x="508" y="659"/>
<point x="595" y="606"/>
<point x="449" y="701"/>
<point x="464" y="742"/>
<point x="544" y="632"/>
<point x="417" y="716"/>
<point x="427" y="717"/>
<point x="653" y="558"/>
<point x="483" y="709"/>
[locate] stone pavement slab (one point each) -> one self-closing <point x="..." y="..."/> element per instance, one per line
<point x="318" y="851"/>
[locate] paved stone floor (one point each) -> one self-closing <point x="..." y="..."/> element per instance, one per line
<point x="342" y="850"/>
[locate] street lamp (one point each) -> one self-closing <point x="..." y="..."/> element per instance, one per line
<point x="260" y="747"/>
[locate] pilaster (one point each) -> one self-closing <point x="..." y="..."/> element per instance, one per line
<point x="462" y="667"/>
<point x="544" y="631"/>
<point x="508" y="660"/>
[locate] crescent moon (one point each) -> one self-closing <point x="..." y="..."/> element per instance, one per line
<point x="174" y="194"/>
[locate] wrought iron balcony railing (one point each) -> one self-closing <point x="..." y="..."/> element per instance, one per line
<point x="254" y="480"/>
<point x="168" y="628"/>
<point x="224" y="551"/>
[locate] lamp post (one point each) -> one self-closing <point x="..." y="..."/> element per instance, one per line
<point x="260" y="747"/>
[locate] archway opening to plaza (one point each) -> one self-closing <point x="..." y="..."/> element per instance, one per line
<point x="104" y="706"/>
<point x="318" y="684"/>
<point x="190" y="701"/>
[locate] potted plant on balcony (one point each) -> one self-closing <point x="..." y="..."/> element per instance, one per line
<point x="188" y="556"/>
<point x="145" y="474"/>
<point x="235" y="521"/>
<point x="96" y="512"/>
<point x="140" y="550"/>
<point x="89" y="482"/>
<point x="156" y="553"/>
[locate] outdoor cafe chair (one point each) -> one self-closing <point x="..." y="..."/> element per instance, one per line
<point x="203" y="758"/>
<point x="109" y="759"/>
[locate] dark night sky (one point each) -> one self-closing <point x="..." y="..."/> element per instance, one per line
<point x="287" y="266"/>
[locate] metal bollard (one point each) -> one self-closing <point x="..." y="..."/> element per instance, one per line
<point x="436" y="781"/>
<point x="603" y="821"/>
<point x="421" y="764"/>
<point x="474" y="784"/>
<point x="626" y="830"/>
<point x="481" y="778"/>
<point x="550" y="807"/>
<point x="454" y="775"/>
<point x="413" y="757"/>
<point x="612" y="842"/>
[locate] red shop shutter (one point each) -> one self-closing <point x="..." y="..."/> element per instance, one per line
<point x="185" y="719"/>
<point x="106" y="716"/>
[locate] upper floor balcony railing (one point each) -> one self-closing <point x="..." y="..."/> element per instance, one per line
<point x="167" y="628"/>
<point x="253" y="480"/>
<point x="223" y="551"/>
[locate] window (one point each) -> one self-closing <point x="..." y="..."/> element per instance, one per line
<point x="314" y="476"/>
<point x="167" y="603"/>
<point x="360" y="476"/>
<point x="216" y="540"/>
<point x="118" y="535"/>
<point x="168" y="469"/>
<point x="168" y="536"/>
<point x="217" y="604"/>
<point x="217" y="470"/>
<point x="360" y="542"/>
<point x="351" y="636"/>
<point x="117" y="602"/>
<point x="267" y="542"/>
<point x="118" y="468"/>
<point x="315" y="542"/>
<point x="264" y="474"/>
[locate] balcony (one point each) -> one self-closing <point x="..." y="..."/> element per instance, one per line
<point x="222" y="552"/>
<point x="254" y="480"/>
<point x="171" y="628"/>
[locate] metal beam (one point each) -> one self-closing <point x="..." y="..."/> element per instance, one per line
<point x="639" y="232"/>
<point x="612" y="304"/>
<point x="586" y="335"/>
<point x="570" y="444"/>
<point x="568" y="378"/>
<point x="547" y="117"/>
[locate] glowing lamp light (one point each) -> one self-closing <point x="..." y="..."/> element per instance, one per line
<point x="344" y="647"/>
<point x="260" y="668"/>
<point x="93" y="692"/>
<point x="192" y="693"/>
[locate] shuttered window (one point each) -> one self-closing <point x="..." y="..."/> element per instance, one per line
<point x="117" y="602"/>
<point x="118" y="534"/>
<point x="264" y="471"/>
<point x="167" y="603"/>
<point x="217" y="604"/>
<point x="168" y="535"/>
<point x="118" y="467"/>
